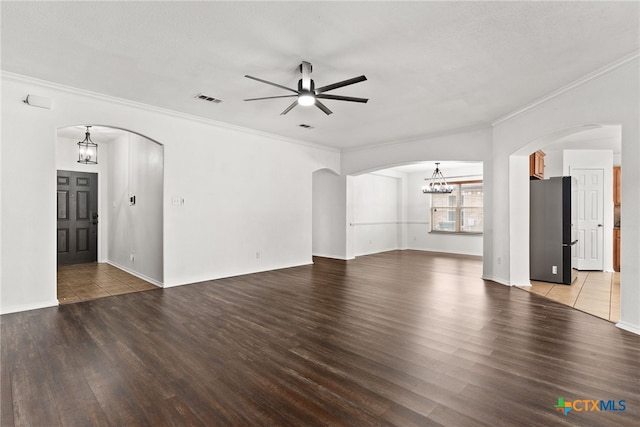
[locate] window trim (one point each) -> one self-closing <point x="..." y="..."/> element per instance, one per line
<point x="457" y="209"/>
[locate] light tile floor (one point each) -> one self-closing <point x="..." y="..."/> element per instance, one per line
<point x="81" y="282"/>
<point x="594" y="292"/>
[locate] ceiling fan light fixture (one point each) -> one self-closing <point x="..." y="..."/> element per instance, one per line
<point x="306" y="99"/>
<point x="307" y="95"/>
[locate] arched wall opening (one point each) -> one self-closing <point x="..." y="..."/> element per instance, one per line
<point x="130" y="173"/>
<point x="519" y="206"/>
<point x="389" y="211"/>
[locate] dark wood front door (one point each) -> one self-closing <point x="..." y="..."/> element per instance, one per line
<point x="77" y="217"/>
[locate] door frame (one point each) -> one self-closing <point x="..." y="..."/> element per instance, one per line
<point x="93" y="215"/>
<point x="601" y="228"/>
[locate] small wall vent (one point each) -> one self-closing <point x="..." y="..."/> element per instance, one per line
<point x="208" y="98"/>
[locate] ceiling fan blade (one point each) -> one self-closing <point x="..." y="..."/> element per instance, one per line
<point x="321" y="106"/>
<point x="270" y="97"/>
<point x="341" y="84"/>
<point x="272" y="84"/>
<point x="289" y="108"/>
<point x="342" y="98"/>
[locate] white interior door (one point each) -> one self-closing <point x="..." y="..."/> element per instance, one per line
<point x="590" y="218"/>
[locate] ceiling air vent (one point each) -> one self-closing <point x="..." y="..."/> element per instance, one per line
<point x="208" y="98"/>
<point x="306" y="126"/>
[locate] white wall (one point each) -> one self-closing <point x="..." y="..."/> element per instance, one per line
<point x="553" y="164"/>
<point x="136" y="231"/>
<point x="377" y="212"/>
<point x="67" y="159"/>
<point x="418" y="217"/>
<point x="329" y="215"/>
<point x="597" y="159"/>
<point x="245" y="192"/>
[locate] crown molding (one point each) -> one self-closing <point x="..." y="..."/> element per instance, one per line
<point x="447" y="132"/>
<point x="139" y="105"/>
<point x="576" y="83"/>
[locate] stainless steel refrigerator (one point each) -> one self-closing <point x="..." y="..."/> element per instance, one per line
<point x="552" y="225"/>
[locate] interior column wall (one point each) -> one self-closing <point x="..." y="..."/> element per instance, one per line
<point x="136" y="237"/>
<point x="329" y="215"/>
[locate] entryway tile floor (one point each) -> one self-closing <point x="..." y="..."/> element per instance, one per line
<point x="82" y="282"/>
<point x="594" y="292"/>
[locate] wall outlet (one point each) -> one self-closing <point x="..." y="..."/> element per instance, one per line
<point x="554" y="269"/>
<point x="499" y="260"/>
<point x="258" y="255"/>
<point x="132" y="257"/>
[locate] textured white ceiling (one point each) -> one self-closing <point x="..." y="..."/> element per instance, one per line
<point x="431" y="66"/>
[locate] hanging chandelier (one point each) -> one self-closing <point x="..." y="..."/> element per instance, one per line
<point x="437" y="184"/>
<point x="87" y="150"/>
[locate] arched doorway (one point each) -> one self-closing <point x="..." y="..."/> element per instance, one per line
<point x="128" y="220"/>
<point x="569" y="152"/>
<point x="390" y="211"/>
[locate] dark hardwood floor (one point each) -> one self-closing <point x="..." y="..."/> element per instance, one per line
<point x="399" y="338"/>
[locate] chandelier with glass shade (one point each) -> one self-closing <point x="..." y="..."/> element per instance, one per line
<point x="87" y="150"/>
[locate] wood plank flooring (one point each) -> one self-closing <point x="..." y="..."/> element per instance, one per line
<point x="402" y="338"/>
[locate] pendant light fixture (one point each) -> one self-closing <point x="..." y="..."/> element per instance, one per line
<point x="437" y="184"/>
<point x="87" y="150"/>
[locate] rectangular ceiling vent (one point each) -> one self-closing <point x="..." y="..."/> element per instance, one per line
<point x="208" y="98"/>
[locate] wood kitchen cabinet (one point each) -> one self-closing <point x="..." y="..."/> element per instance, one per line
<point x="616" y="249"/>
<point x="536" y="165"/>
<point x="616" y="185"/>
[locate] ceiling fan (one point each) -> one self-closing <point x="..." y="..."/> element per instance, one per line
<point x="308" y="94"/>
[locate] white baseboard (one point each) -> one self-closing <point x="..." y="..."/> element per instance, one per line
<point x="194" y="280"/>
<point x="440" y="251"/>
<point x="498" y="280"/>
<point x="342" y="258"/>
<point x="27" y="307"/>
<point x="138" y="275"/>
<point x="627" y="327"/>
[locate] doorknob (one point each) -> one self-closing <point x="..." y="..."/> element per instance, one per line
<point x="599" y="225"/>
